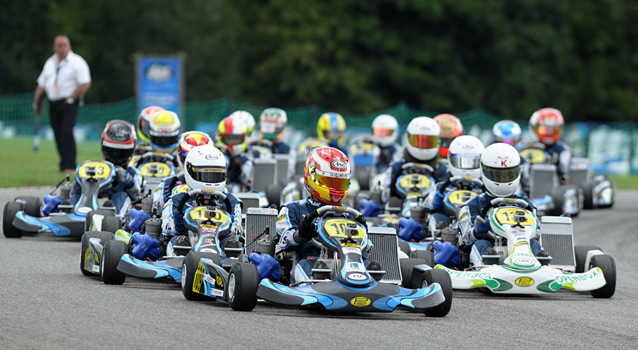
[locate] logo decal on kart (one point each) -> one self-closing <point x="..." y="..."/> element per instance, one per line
<point x="360" y="302"/>
<point x="524" y="281"/>
<point x="357" y="277"/>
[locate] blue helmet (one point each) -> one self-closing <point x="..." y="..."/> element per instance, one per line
<point x="507" y="131"/>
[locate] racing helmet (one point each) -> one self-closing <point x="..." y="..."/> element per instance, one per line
<point x="547" y="125"/>
<point x="187" y="141"/>
<point x="464" y="156"/>
<point x="507" y="131"/>
<point x="272" y="123"/>
<point x="385" y="129"/>
<point x="501" y="169"/>
<point x="331" y="127"/>
<point x="205" y="169"/>
<point x="451" y="128"/>
<point x="423" y="138"/>
<point x="231" y="136"/>
<point x="327" y="175"/>
<point x="164" y="131"/>
<point x="118" y="142"/>
<point x="144" y="121"/>
<point x="245" y="117"/>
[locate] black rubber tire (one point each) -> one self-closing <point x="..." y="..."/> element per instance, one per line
<point x="111" y="224"/>
<point x="557" y="198"/>
<point x="10" y="211"/>
<point x="242" y="285"/>
<point x="407" y="266"/>
<point x="588" y="195"/>
<point x="580" y="251"/>
<point x="426" y="255"/>
<point x="404" y="246"/>
<point x="89" y="217"/>
<point x="608" y="265"/>
<point x="111" y="255"/>
<point x="103" y="236"/>
<point x="443" y="279"/>
<point x="273" y="194"/>
<point x="189" y="266"/>
<point x="33" y="205"/>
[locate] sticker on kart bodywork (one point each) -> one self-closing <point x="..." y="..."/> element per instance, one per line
<point x="360" y="301"/>
<point x="199" y="277"/>
<point x="337" y="228"/>
<point x="508" y="216"/>
<point x="155" y="169"/>
<point x="457" y="197"/>
<point x="97" y="170"/>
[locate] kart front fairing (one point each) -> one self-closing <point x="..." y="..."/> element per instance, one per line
<point x="337" y="296"/>
<point x="170" y="267"/>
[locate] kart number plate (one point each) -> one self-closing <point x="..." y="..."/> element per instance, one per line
<point x="94" y="170"/>
<point x="460" y="196"/>
<point x="155" y="169"/>
<point x="514" y="216"/>
<point x="419" y="181"/>
<point x="337" y="228"/>
<point x="534" y="155"/>
<point x="217" y="217"/>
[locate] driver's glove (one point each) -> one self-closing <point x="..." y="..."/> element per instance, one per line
<point x="123" y="176"/>
<point x="306" y="230"/>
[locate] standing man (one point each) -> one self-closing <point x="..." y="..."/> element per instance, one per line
<point x="65" y="78"/>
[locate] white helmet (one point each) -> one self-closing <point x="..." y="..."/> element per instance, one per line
<point x="205" y="169"/>
<point x="385" y="129"/>
<point x="246" y="117"/>
<point x="501" y="169"/>
<point x="464" y="156"/>
<point x="423" y="138"/>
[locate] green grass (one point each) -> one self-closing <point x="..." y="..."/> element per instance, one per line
<point x="21" y="166"/>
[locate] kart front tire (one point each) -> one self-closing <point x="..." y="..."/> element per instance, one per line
<point x="89" y="218"/>
<point x="588" y="195"/>
<point x="407" y="267"/>
<point x="426" y="255"/>
<point x="10" y="211"/>
<point x="242" y="285"/>
<point x="189" y="268"/>
<point x="103" y="236"/>
<point x="111" y="254"/>
<point x="32" y="206"/>
<point x="443" y="279"/>
<point x="580" y="251"/>
<point x="111" y="224"/>
<point x="608" y="265"/>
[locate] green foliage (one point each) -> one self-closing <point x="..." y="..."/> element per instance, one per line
<point x="510" y="57"/>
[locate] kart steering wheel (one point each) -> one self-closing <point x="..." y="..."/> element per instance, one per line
<point x="190" y="194"/>
<point x="452" y="179"/>
<point x="418" y="166"/>
<point x="165" y="156"/>
<point x="333" y="208"/>
<point x="497" y="201"/>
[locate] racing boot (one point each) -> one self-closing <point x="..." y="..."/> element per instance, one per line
<point x="375" y="265"/>
<point x="323" y="268"/>
<point x="493" y="256"/>
<point x="543" y="257"/>
<point x="232" y="248"/>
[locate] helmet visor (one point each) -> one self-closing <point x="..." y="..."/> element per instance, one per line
<point x="207" y="174"/>
<point x="423" y="141"/>
<point x="333" y="134"/>
<point x="142" y="126"/>
<point x="549" y="130"/>
<point x="164" y="141"/>
<point x="333" y="183"/>
<point x="233" y="139"/>
<point x="465" y="160"/>
<point x="501" y="175"/>
<point x="382" y="132"/>
<point x="117" y="156"/>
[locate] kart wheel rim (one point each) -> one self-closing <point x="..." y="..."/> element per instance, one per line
<point x="231" y="286"/>
<point x="183" y="280"/>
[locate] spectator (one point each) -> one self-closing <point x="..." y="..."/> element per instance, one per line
<point x="65" y="78"/>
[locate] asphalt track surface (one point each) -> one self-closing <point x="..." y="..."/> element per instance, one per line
<point x="46" y="303"/>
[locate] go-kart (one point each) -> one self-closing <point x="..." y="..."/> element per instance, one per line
<point x="598" y="191"/>
<point x="153" y="173"/>
<point x="24" y="215"/>
<point x="540" y="174"/>
<point x="515" y="270"/>
<point x="347" y="285"/>
<point x="209" y="233"/>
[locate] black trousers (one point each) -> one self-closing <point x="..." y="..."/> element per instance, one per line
<point x="64" y="116"/>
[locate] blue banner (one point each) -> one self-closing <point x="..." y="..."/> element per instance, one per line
<point x="159" y="83"/>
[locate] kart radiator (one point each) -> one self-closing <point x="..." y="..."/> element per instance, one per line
<point x="250" y="200"/>
<point x="257" y="220"/>
<point x="386" y="252"/>
<point x="542" y="180"/>
<point x="282" y="168"/>
<point x="578" y="171"/>
<point x="557" y="238"/>
<point x="263" y="174"/>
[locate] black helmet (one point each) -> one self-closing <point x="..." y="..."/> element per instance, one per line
<point x="118" y="142"/>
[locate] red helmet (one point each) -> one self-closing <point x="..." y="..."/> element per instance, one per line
<point x="327" y="175"/>
<point x="451" y="128"/>
<point x="547" y="124"/>
<point x="118" y="142"/>
<point x="188" y="140"/>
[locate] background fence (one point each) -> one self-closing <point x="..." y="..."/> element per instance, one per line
<point x="611" y="147"/>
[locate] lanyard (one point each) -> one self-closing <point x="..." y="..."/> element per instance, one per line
<point x="57" y="70"/>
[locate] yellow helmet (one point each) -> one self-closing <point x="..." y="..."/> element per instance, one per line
<point x="331" y="127"/>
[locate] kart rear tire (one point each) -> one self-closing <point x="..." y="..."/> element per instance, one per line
<point x="32" y="206"/>
<point x="111" y="255"/>
<point x="103" y="236"/>
<point x="10" y="211"/>
<point x="443" y="279"/>
<point x="426" y="255"/>
<point x="111" y="224"/>
<point x="580" y="251"/>
<point x="242" y="285"/>
<point x="189" y="267"/>
<point x="608" y="265"/>
<point x="273" y="194"/>
<point x="559" y="201"/>
<point x="404" y="246"/>
<point x="407" y="267"/>
<point x="588" y="195"/>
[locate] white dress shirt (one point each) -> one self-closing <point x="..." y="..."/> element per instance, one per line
<point x="60" y="80"/>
